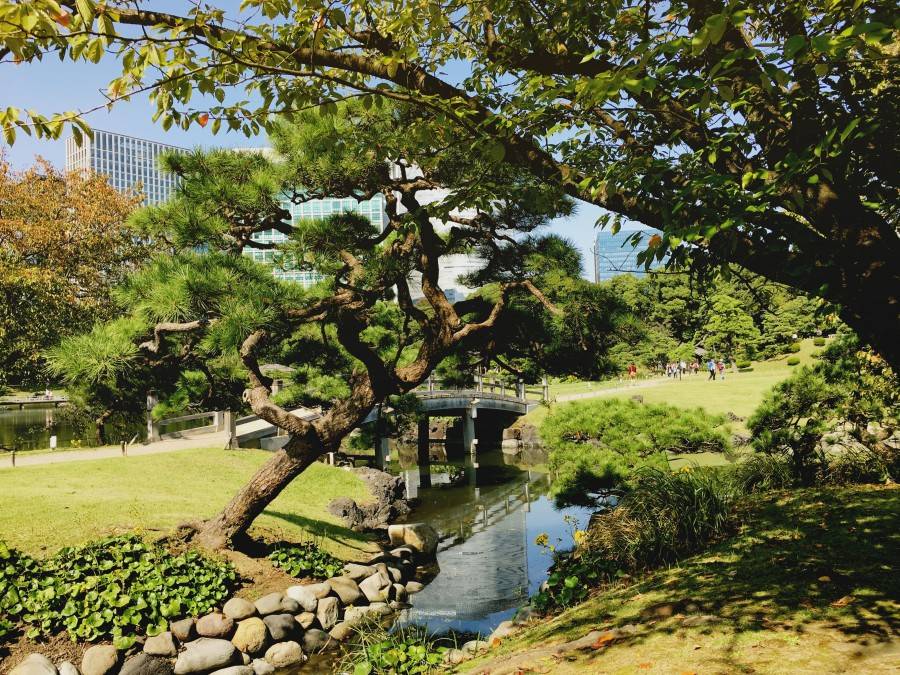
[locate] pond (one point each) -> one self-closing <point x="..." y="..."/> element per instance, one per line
<point x="488" y="513"/>
<point x="29" y="429"/>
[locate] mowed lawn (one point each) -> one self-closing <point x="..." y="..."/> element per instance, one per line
<point x="43" y="508"/>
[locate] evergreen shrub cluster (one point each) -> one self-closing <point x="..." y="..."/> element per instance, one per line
<point x="793" y="361"/>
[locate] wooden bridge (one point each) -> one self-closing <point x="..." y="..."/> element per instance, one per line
<point x="41" y="400"/>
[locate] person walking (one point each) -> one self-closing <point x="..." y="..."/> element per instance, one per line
<point x="721" y="366"/>
<point x="632" y="371"/>
<point x="711" y="367"/>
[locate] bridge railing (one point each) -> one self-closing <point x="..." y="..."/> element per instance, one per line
<point x="219" y="420"/>
<point x="487" y="385"/>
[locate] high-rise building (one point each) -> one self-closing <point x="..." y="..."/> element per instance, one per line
<point x="373" y="209"/>
<point x="132" y="164"/>
<point x="615" y="254"/>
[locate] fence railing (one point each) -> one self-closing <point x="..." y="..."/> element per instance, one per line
<point x="219" y="421"/>
<point x="488" y="385"/>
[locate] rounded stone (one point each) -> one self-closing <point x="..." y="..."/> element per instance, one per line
<point x="305" y="620"/>
<point x="305" y="597"/>
<point x="289" y="605"/>
<point x="342" y="631"/>
<point x="327" y="612"/>
<point x="400" y="593"/>
<point x="357" y="572"/>
<point x="215" y="625"/>
<point x="420" y="537"/>
<point x="205" y="654"/>
<point x="262" y="667"/>
<point x="161" y="645"/>
<point x="100" y="660"/>
<point x="234" y="670"/>
<point x="414" y="587"/>
<point x="66" y="668"/>
<point x="250" y="636"/>
<point x="346" y="589"/>
<point x="284" y="654"/>
<point x="315" y="640"/>
<point x="238" y="609"/>
<point x="374" y="588"/>
<point x="34" y="664"/>
<point x="320" y="590"/>
<point x="281" y="626"/>
<point x="183" y="630"/>
<point x="147" y="664"/>
<point x="269" y="604"/>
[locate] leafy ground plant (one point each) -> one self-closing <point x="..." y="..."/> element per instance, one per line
<point x="115" y="588"/>
<point x="305" y="560"/>
<point x="408" y="650"/>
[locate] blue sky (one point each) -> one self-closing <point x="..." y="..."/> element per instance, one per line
<point x="53" y="86"/>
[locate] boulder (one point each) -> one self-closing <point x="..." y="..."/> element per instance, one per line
<point x="290" y="606"/>
<point x="402" y="552"/>
<point x="262" y="667"/>
<point x="67" y="668"/>
<point x="100" y="660"/>
<point x="327" y="612"/>
<point x="346" y="589"/>
<point x="34" y="664"/>
<point x="315" y="640"/>
<point x="357" y="572"/>
<point x="269" y="604"/>
<point x="205" y="654"/>
<point x="342" y="631"/>
<point x="420" y="537"/>
<point x="161" y="645"/>
<point x="305" y="620"/>
<point x="281" y="626"/>
<point x="251" y="635"/>
<point x="320" y="590"/>
<point x="475" y="646"/>
<point x="234" y="670"/>
<point x="503" y="630"/>
<point x="183" y="630"/>
<point x="414" y="587"/>
<point x="238" y="609"/>
<point x="305" y="597"/>
<point x="215" y="625"/>
<point x="374" y="588"/>
<point x="400" y="593"/>
<point x="455" y="656"/>
<point x="396" y="575"/>
<point x="284" y="654"/>
<point x="147" y="664"/>
<point x="389" y="503"/>
<point x="245" y="659"/>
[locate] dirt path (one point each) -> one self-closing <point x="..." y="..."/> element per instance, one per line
<point x="641" y="384"/>
<point x="39" y="458"/>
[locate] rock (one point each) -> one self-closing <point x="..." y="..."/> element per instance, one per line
<point x="238" y="609"/>
<point x="374" y="588"/>
<point x="67" y="668"/>
<point x="475" y="646"/>
<point x="327" y="612"/>
<point x="420" y="537"/>
<point x="402" y="552"/>
<point x="100" y="660"/>
<point x="524" y="615"/>
<point x="305" y="620"/>
<point x="587" y="642"/>
<point x="304" y="596"/>
<point x="388" y="506"/>
<point x="455" y="656"/>
<point x="281" y="626"/>
<point x="357" y="572"/>
<point x="400" y="593"/>
<point x="503" y="630"/>
<point x="245" y="659"/>
<point x="285" y="654"/>
<point x="315" y="640"/>
<point x="637" y="398"/>
<point x="251" y="635"/>
<point x="698" y="620"/>
<point x="161" y="645"/>
<point x="214" y="625"/>
<point x="269" y="604"/>
<point x="182" y="630"/>
<point x="346" y="589"/>
<point x="262" y="667"/>
<point x="34" y="664"/>
<point x="205" y="654"/>
<point x="320" y="590"/>
<point x="396" y="575"/>
<point x="398" y="606"/>
<point x="234" y="670"/>
<point x="414" y="587"/>
<point x="342" y="631"/>
<point x="147" y="664"/>
<point x="290" y="606"/>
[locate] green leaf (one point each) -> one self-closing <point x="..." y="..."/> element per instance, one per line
<point x="716" y="25"/>
<point x="793" y="45"/>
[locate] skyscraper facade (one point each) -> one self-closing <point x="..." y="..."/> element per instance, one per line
<point x="615" y="254"/>
<point x="132" y="164"/>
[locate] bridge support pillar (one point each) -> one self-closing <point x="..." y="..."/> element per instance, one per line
<point x="229" y="426"/>
<point x="382" y="452"/>
<point x="423" y="455"/>
<point x="152" y="429"/>
<point x="468" y="430"/>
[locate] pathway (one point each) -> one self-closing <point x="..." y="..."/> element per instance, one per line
<point x="641" y="384"/>
<point x="214" y="440"/>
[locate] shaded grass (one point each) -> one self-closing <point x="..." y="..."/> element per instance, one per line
<point x="43" y="508"/>
<point x="809" y="584"/>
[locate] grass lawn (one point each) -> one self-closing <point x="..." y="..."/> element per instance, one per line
<point x="43" y="508"/>
<point x="807" y="585"/>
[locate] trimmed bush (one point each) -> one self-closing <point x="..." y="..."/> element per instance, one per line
<point x="116" y="588"/>
<point x="744" y="365"/>
<point x="794" y="348"/>
<point x="595" y="445"/>
<point x="819" y="341"/>
<point x="793" y="360"/>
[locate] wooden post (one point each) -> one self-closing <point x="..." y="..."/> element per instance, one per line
<point x="545" y="386"/>
<point x="13" y="459"/>
<point x="123" y="449"/>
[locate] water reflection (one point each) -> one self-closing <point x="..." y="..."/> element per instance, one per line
<point x="488" y="513"/>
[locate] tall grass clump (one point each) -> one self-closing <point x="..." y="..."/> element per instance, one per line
<point x="761" y="473"/>
<point x="596" y="445"/>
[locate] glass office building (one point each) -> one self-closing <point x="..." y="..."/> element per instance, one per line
<point x="373" y="209"/>
<point x="131" y="164"/>
<point x="615" y="254"/>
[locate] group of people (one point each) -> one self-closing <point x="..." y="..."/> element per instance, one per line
<point x="678" y="369"/>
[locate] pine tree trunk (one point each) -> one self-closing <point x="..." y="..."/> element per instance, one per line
<point x="265" y="485"/>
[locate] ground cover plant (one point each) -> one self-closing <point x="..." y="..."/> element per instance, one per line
<point x="407" y="651"/>
<point x="305" y="560"/>
<point x="116" y="588"/>
<point x="597" y="444"/>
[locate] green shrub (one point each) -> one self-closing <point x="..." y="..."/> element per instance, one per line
<point x="816" y="353"/>
<point x="819" y="341"/>
<point x="793" y="361"/>
<point x="115" y="588"/>
<point x="859" y="464"/>
<point x="761" y="473"/>
<point x="743" y="365"/>
<point x="662" y="517"/>
<point x="597" y="444"/>
<point x="305" y="560"/>
<point x="794" y="347"/>
<point x="407" y="650"/>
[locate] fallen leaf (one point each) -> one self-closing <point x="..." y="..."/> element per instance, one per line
<point x="604" y="640"/>
<point x="645" y="666"/>
<point x="825" y="579"/>
<point x="843" y="602"/>
<point x="696" y="647"/>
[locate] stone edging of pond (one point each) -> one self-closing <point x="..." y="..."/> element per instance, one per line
<point x="276" y="631"/>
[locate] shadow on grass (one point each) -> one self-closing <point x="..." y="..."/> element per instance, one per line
<point x="804" y="562"/>
<point x="319" y="529"/>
